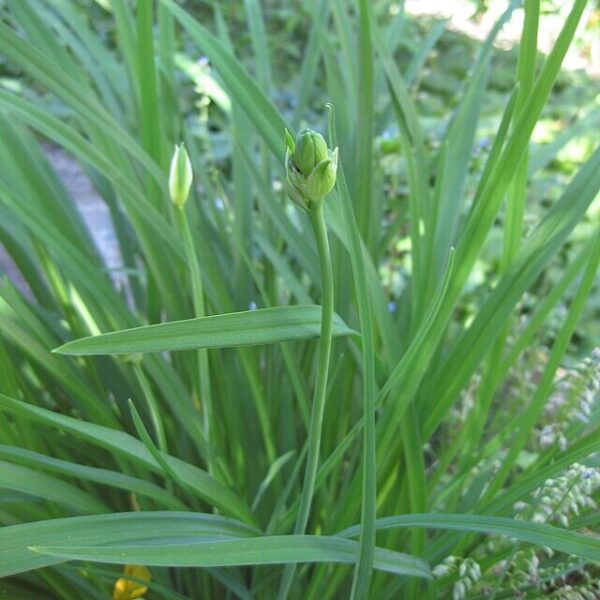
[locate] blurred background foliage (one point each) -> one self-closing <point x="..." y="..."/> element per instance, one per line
<point x="571" y="117"/>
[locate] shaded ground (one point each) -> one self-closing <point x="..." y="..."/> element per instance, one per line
<point x="93" y="209"/>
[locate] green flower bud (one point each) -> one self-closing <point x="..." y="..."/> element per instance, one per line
<point x="180" y="176"/>
<point x="310" y="150"/>
<point x="310" y="167"/>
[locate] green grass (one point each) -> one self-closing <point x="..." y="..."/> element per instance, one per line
<point x="188" y="415"/>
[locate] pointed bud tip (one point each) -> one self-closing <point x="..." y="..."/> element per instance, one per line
<point x="289" y="142"/>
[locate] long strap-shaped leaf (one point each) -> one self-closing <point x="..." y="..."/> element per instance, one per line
<point x="271" y="550"/>
<point x="33" y="483"/>
<point x="556" y="538"/>
<point x="543" y="243"/>
<point x="16" y="540"/>
<point x="247" y="328"/>
<point x="176" y="539"/>
<point x="104" y="477"/>
<point x="198" y="481"/>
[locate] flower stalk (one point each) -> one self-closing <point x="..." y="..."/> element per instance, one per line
<point x="180" y="182"/>
<point x="311" y="174"/>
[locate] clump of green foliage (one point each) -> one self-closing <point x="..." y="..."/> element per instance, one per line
<point x="375" y="396"/>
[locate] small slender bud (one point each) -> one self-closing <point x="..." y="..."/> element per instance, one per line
<point x="180" y="176"/>
<point x="310" y="167"/>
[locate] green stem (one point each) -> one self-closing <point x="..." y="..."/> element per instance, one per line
<point x="318" y="408"/>
<point x="153" y="407"/>
<point x="199" y="311"/>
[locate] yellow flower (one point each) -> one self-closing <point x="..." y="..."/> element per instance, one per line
<point x="125" y="589"/>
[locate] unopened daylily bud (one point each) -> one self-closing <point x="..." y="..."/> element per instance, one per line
<point x="310" y="150"/>
<point x="180" y="176"/>
<point x="310" y="167"/>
